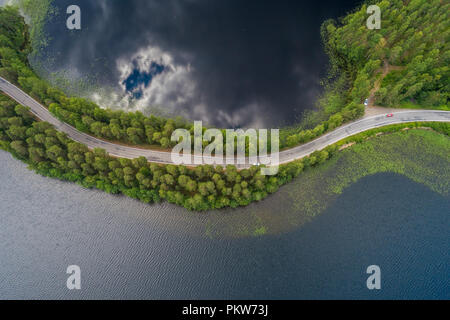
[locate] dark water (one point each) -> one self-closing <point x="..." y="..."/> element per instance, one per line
<point x="230" y="63"/>
<point x="130" y="250"/>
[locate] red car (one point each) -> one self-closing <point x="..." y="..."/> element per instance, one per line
<point x="389" y="115"/>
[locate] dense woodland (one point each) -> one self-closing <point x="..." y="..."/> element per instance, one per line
<point x="419" y="43"/>
<point x="53" y="154"/>
<point x="413" y="44"/>
<point x="355" y="64"/>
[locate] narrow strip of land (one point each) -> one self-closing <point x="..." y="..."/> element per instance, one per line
<point x="364" y="124"/>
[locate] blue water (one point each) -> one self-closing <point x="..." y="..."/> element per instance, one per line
<point x="127" y="249"/>
<point x="137" y="79"/>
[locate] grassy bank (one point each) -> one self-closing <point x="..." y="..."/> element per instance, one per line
<point x="411" y="105"/>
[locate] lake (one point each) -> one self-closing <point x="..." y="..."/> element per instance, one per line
<point x="228" y="63"/>
<point x="127" y="249"/>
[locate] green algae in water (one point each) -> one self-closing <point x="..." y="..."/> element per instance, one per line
<point x="420" y="155"/>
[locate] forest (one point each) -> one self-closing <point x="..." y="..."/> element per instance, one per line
<point x="412" y="46"/>
<point x="52" y="153"/>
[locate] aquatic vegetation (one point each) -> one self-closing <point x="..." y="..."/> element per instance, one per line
<point x="421" y="155"/>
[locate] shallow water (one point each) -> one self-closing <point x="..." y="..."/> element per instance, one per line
<point x="128" y="249"/>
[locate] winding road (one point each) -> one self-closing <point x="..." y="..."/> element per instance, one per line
<point x="366" y="123"/>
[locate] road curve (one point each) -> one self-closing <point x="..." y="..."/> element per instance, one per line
<point x="285" y="156"/>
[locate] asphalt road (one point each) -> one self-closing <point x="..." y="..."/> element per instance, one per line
<point x="285" y="156"/>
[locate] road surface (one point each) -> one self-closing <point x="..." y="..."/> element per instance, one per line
<point x="285" y="156"/>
